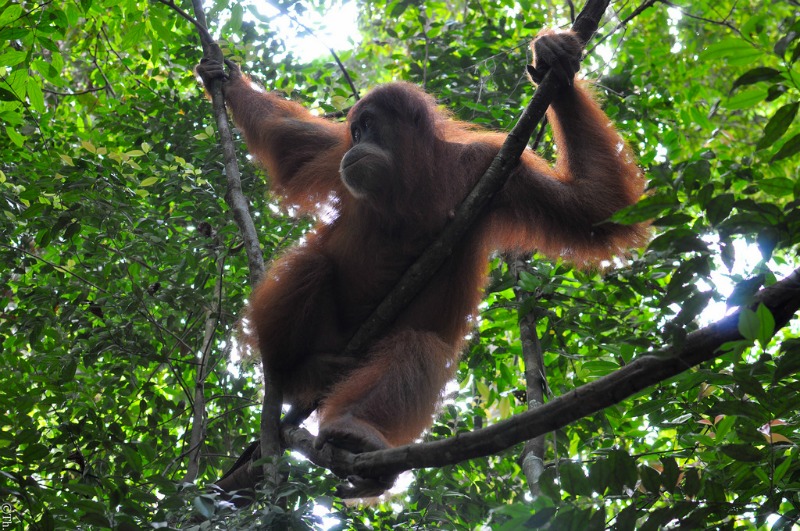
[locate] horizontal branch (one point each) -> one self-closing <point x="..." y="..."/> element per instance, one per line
<point x="782" y="299"/>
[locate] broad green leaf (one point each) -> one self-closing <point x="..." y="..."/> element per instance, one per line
<point x="731" y="48"/>
<point x="132" y="35"/>
<point x="12" y="57"/>
<point x="651" y="479"/>
<point x="35" y="95"/>
<point x="778" y="125"/>
<point x="573" y="479"/>
<point x="781" y="469"/>
<point x="766" y="327"/>
<point x="746" y="99"/>
<point x="789" y="149"/>
<point x="760" y="73"/>
<point x="10" y="13"/>
<point x="204" y="506"/>
<point x="778" y="187"/>
<point x="15" y="137"/>
<point x="742" y="452"/>
<point x="235" y="23"/>
<point x="719" y="208"/>
<point x="749" y="324"/>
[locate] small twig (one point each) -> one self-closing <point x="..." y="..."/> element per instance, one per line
<point x="205" y="36"/>
<point x="636" y="12"/>
<point x="76" y="92"/>
<point x="199" y="416"/>
<point x="347" y="77"/>
<point x="724" y="23"/>
<point x="532" y="457"/>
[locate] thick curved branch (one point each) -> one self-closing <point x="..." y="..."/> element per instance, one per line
<point x="782" y="299"/>
<point x="420" y="273"/>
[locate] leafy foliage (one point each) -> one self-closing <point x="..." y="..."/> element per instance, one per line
<point x="116" y="237"/>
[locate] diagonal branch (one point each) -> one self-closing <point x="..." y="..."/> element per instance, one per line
<point x="269" y="436"/>
<point x="239" y="206"/>
<point x="420" y="273"/>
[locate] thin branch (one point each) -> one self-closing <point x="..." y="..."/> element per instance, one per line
<point x="532" y="457"/>
<point x="199" y="416"/>
<point x="636" y="12"/>
<point x="724" y="23"/>
<point x="347" y="77"/>
<point x="75" y="92"/>
<point x="571" y="6"/>
<point x="202" y="29"/>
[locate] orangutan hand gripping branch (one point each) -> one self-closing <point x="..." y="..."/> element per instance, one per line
<point x="392" y="174"/>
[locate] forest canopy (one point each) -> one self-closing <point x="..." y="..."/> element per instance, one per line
<point x="127" y="389"/>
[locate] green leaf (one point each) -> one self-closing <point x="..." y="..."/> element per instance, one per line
<point x="737" y="51"/>
<point x="742" y="452"/>
<point x="746" y="99"/>
<point x="9" y="14"/>
<point x="781" y="469"/>
<point x="748" y="324"/>
<point x="623" y="468"/>
<point x="573" y="479"/>
<point x="760" y="73"/>
<point x="733" y="408"/>
<point x="35" y="452"/>
<point x="723" y="427"/>
<point x="646" y="209"/>
<point x="783" y="43"/>
<point x="778" y="187"/>
<point x="696" y="173"/>
<point x="204" y="506"/>
<point x="766" y="327"/>
<point x="7" y="95"/>
<point x="789" y="361"/>
<point x="778" y="125"/>
<point x="626" y="519"/>
<point x="719" y="208"/>
<point x="12" y="57"/>
<point x="35" y="95"/>
<point x="691" y="482"/>
<point x="790" y="148"/>
<point x="132" y="35"/>
<point x="670" y="474"/>
<point x="235" y="23"/>
<point x="651" y="479"/>
<point x="15" y="137"/>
